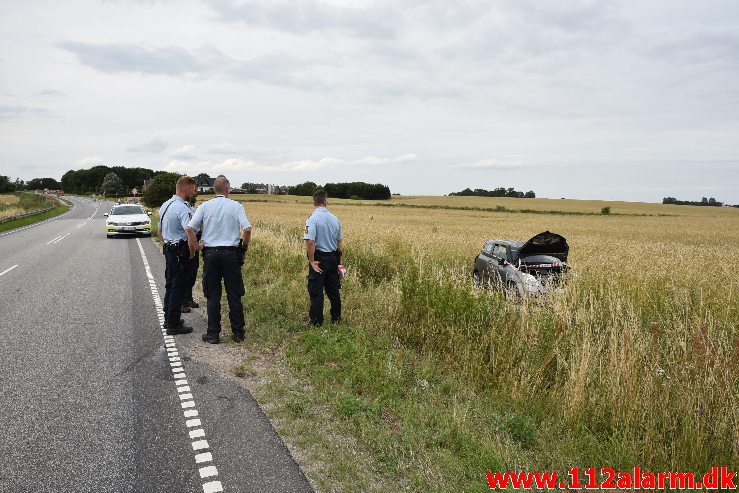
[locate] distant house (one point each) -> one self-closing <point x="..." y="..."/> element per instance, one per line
<point x="267" y="189"/>
<point x="205" y="184"/>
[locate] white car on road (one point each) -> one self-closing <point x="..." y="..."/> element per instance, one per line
<point x="128" y="219"/>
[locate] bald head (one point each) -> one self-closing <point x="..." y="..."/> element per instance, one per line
<point x="221" y="185"/>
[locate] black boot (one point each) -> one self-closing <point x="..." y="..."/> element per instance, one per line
<point x="179" y="329"/>
<point x="211" y="339"/>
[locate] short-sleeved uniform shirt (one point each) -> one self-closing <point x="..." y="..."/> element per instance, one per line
<point x="323" y="228"/>
<point x="221" y="220"/>
<point x="174" y="215"/>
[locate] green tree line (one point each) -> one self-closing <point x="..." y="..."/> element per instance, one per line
<point x="352" y="190"/>
<point x="91" y="180"/>
<point x="6" y="185"/>
<point x="704" y="201"/>
<point x="36" y="184"/>
<point x="496" y="192"/>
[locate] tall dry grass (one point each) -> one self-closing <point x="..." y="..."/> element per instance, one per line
<point x="20" y="203"/>
<point x="640" y="349"/>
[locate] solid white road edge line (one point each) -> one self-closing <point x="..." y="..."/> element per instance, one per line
<point x="187" y="401"/>
<point x="8" y="269"/>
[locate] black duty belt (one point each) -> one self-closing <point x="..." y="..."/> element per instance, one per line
<point x="222" y="248"/>
<point x="174" y="244"/>
<point x="319" y="252"/>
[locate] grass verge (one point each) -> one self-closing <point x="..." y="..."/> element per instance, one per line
<point x="412" y="395"/>
<point x="370" y="414"/>
<point x="26" y="221"/>
<point x="431" y="382"/>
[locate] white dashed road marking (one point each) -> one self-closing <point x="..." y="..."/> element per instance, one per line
<point x="58" y="239"/>
<point x="187" y="401"/>
<point x="212" y="487"/>
<point x="204" y="457"/>
<point x="8" y="269"/>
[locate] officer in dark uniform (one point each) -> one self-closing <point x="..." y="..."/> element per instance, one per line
<point x="174" y="216"/>
<point x="323" y="242"/>
<point x="192" y="275"/>
<point x="226" y="233"/>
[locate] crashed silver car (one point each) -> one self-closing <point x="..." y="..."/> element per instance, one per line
<point x="522" y="268"/>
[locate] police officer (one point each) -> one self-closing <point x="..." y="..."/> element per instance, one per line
<point x="192" y="273"/>
<point x="225" y="238"/>
<point x="323" y="243"/>
<point x="174" y="216"/>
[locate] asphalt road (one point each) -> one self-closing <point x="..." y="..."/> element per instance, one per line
<point x="94" y="397"/>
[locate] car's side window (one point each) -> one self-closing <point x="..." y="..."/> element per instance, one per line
<point x="488" y="248"/>
<point x="500" y="251"/>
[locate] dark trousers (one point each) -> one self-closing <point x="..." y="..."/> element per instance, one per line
<point x="175" y="276"/>
<point x="328" y="281"/>
<point x="223" y="264"/>
<point x="193" y="265"/>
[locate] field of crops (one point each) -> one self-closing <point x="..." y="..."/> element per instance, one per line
<point x="638" y="357"/>
<point x="19" y="203"/>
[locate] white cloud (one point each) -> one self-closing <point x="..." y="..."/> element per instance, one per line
<point x="308" y="16"/>
<point x="185" y="153"/>
<point x="492" y="163"/>
<point x="90" y="161"/>
<point x="297" y="165"/>
<point x="310" y="164"/>
<point x="224" y="148"/>
<point x="18" y="110"/>
<point x="405" y="158"/>
<point x="120" y="58"/>
<point x="332" y="162"/>
<point x="210" y="167"/>
<point x="50" y="93"/>
<point x="327" y="90"/>
<point x="154" y="146"/>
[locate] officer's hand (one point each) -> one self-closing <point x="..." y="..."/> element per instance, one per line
<point x="315" y="266"/>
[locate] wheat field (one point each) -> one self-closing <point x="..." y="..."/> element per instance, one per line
<point x="641" y="348"/>
<point x="15" y="204"/>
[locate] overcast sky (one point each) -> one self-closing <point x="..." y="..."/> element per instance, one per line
<point x="626" y="100"/>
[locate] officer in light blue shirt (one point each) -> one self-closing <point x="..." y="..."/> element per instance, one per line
<point x="323" y="243"/>
<point x="225" y="238"/>
<point x="226" y="219"/>
<point x="174" y="216"/>
<point x="324" y="229"/>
